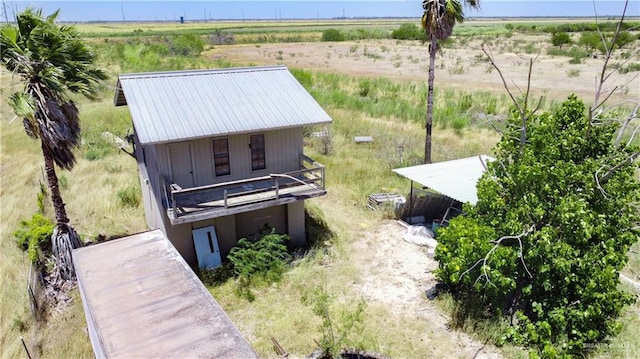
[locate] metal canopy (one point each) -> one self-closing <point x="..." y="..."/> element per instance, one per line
<point x="456" y="179"/>
<point x="183" y="105"/>
<point x="141" y="300"/>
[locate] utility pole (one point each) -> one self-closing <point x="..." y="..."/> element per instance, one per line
<point x="4" y="12"/>
<point x="122" y="10"/>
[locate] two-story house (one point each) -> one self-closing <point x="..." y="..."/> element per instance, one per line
<point x="220" y="154"/>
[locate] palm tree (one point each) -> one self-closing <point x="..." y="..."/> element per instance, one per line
<point x="52" y="63"/>
<point x="438" y="20"/>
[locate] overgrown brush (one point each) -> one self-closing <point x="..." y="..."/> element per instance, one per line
<point x="261" y="260"/>
<point x="34" y="235"/>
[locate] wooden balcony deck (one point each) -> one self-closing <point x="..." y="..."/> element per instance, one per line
<point x="223" y="199"/>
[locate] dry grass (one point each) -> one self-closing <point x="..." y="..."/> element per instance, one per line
<point x="90" y="194"/>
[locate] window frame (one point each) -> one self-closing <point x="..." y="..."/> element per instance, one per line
<point x="219" y="164"/>
<point x="258" y="151"/>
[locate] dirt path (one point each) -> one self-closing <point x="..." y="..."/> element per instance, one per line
<point x="397" y="274"/>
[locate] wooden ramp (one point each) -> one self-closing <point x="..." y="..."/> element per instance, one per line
<point x="141" y="300"/>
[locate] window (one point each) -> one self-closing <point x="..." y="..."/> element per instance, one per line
<point x="256" y="144"/>
<point x="221" y="157"/>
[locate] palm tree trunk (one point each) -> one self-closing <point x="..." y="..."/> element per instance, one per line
<point x="56" y="198"/>
<point x="432" y="68"/>
<point x="64" y="238"/>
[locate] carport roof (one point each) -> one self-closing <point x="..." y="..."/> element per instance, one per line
<point x="456" y="179"/>
<point x="182" y="105"/>
<point x="141" y="300"/>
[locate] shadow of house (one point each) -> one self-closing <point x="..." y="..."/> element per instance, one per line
<point x="220" y="155"/>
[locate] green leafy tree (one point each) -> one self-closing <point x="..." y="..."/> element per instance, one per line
<point x="560" y="38"/>
<point x="52" y="63"/>
<point x="438" y="19"/>
<point x="555" y="217"/>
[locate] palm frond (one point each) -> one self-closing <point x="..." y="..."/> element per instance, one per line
<point x="440" y="16"/>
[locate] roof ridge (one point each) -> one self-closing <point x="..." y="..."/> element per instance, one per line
<point x="196" y="72"/>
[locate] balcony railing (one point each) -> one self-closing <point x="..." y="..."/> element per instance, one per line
<point x="243" y="195"/>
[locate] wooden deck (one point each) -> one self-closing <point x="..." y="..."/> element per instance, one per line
<point x="228" y="198"/>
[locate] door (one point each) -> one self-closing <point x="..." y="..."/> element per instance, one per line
<point x="181" y="164"/>
<point x="207" y="249"/>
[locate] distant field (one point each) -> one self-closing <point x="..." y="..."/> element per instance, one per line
<point x="125" y="28"/>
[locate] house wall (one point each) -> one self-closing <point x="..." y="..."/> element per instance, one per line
<point x="282" y="150"/>
<point x="230" y="229"/>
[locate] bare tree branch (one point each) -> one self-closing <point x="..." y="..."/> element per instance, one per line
<point x="522" y="108"/>
<point x="626" y="124"/>
<point x="497" y="243"/>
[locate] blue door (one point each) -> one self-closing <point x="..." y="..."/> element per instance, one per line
<point x="207" y="249"/>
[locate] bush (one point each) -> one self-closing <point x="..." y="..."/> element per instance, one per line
<point x="262" y="259"/>
<point x="560" y="38"/>
<point x="338" y="332"/>
<point x="129" y="196"/>
<point x="408" y="32"/>
<point x="304" y="77"/>
<point x="34" y="236"/>
<point x="185" y="45"/>
<point x="220" y="37"/>
<point x="332" y="35"/>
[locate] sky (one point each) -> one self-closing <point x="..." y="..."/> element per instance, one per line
<point x="87" y="10"/>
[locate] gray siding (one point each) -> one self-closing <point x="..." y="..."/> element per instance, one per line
<point x="282" y="150"/>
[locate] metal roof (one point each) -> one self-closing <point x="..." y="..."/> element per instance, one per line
<point x="456" y="179"/>
<point x="181" y="105"/>
<point x="141" y="300"/>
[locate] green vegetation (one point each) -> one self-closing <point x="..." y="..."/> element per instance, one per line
<point x="53" y="64"/>
<point x="129" y="197"/>
<point x="332" y="35"/>
<point x="408" y="32"/>
<point x="340" y="332"/>
<point x="560" y="39"/>
<point x="261" y="260"/>
<point x="34" y="235"/>
<point x="546" y="240"/>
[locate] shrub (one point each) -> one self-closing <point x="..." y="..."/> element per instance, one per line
<point x="633" y="67"/>
<point x="332" y="35"/>
<point x="573" y="73"/>
<point x="129" y="196"/>
<point x="220" y="37"/>
<point x="304" y="77"/>
<point x="338" y="332"/>
<point x="560" y="38"/>
<point x="408" y="32"/>
<point x="262" y="259"/>
<point x="34" y="236"/>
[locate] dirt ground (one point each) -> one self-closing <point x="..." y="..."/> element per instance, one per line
<point x="462" y="66"/>
<point x="397" y="275"/>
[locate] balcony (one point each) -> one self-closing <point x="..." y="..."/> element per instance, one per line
<point x="185" y="205"/>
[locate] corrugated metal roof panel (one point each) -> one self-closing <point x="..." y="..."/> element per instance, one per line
<point x="142" y="300"/>
<point x="456" y="179"/>
<point x="181" y="105"/>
